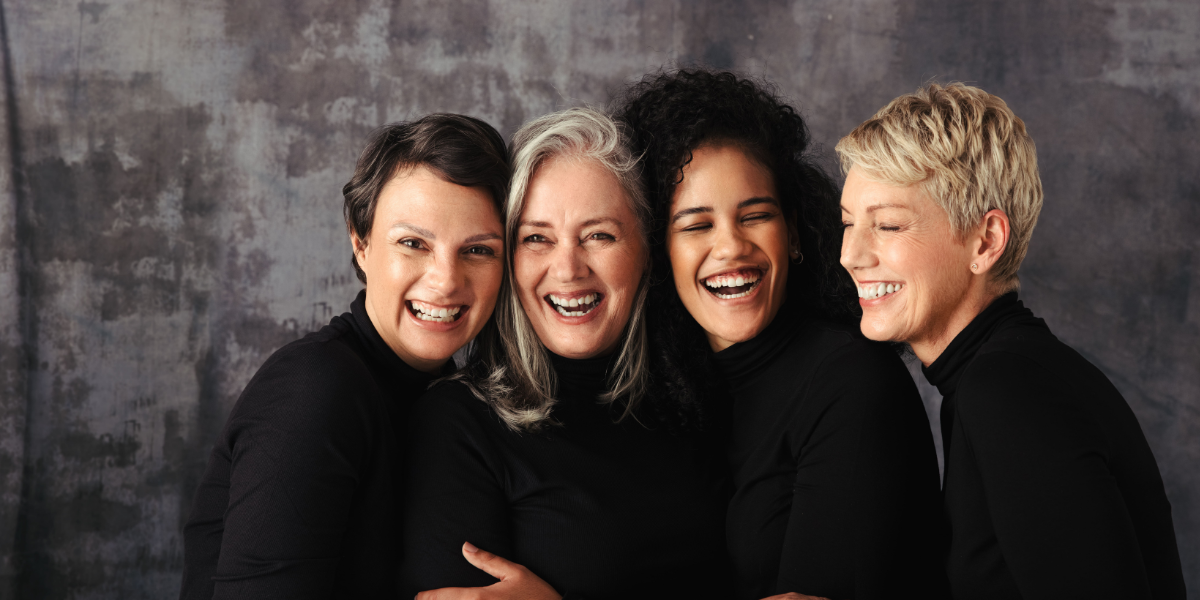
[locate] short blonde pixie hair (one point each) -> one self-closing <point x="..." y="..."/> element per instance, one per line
<point x="969" y="152"/>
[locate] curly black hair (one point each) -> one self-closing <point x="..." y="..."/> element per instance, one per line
<point x="671" y="114"/>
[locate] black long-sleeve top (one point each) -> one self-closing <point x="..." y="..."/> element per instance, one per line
<point x="834" y="468"/>
<point x="301" y="492"/>
<point x="598" y="509"/>
<point x="1051" y="489"/>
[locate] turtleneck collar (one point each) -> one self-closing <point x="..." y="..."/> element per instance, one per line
<point x="582" y="377"/>
<point x="745" y="359"/>
<point x="948" y="368"/>
<point x="381" y="354"/>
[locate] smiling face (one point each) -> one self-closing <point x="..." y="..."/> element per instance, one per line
<point x="579" y="258"/>
<point x="433" y="261"/>
<point x="729" y="242"/>
<point x="914" y="278"/>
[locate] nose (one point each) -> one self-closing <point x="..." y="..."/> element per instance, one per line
<point x="856" y="250"/>
<point x="729" y="243"/>
<point x="568" y="263"/>
<point x="445" y="275"/>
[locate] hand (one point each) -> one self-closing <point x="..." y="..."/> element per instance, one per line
<point x="515" y="581"/>
<point x="795" y="596"/>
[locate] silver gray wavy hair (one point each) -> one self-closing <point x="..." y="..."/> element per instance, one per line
<point x="511" y="368"/>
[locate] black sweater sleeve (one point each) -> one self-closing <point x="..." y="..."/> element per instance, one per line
<point x="455" y="493"/>
<point x="291" y="453"/>
<point x="1046" y="466"/>
<point x="865" y="503"/>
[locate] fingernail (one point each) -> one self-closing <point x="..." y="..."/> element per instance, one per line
<point x="469" y="547"/>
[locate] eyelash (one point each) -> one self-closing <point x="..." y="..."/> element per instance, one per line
<point x="485" y="251"/>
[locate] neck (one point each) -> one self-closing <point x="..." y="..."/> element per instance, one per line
<point x="389" y="337"/>
<point x="930" y="347"/>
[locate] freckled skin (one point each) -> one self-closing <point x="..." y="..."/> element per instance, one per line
<point x="703" y="244"/>
<point x="558" y="253"/>
<point x="909" y="241"/>
<point x="446" y="270"/>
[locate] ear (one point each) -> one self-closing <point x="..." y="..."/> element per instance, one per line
<point x="991" y="240"/>
<point x="360" y="248"/>
<point x="793" y="232"/>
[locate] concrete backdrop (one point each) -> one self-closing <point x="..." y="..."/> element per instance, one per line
<point x="169" y="204"/>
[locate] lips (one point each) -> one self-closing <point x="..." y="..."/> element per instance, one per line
<point x="733" y="284"/>
<point x="437" y="314"/>
<point x="574" y="305"/>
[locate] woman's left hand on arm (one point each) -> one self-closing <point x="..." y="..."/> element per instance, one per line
<point x="515" y="581"/>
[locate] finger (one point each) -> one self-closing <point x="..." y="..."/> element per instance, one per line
<point x="489" y="563"/>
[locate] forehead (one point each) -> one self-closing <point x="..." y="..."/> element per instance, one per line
<point x="864" y="194"/>
<point x="420" y="194"/>
<point x="571" y="190"/>
<point x="723" y="171"/>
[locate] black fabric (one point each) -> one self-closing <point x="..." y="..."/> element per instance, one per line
<point x="834" y="467"/>
<point x="597" y="509"/>
<point x="301" y="492"/>
<point x="1051" y="490"/>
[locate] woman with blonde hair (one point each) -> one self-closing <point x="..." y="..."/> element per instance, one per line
<point x="1051" y="490"/>
<point x="543" y="452"/>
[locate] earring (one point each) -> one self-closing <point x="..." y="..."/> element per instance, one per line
<point x="974" y="266"/>
<point x="797" y="256"/>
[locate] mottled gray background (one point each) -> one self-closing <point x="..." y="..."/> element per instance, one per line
<point x="169" y="204"/>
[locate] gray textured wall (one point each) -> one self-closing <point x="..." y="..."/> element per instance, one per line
<point x="169" y="204"/>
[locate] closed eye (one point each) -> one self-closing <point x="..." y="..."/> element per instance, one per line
<point x="759" y="217"/>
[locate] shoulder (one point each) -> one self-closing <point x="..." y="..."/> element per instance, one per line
<point x="1029" y="380"/>
<point x="318" y="377"/>
<point x="452" y="405"/>
<point x="850" y="369"/>
<point x="842" y="353"/>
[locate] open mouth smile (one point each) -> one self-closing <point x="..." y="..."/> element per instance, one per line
<point x="872" y="291"/>
<point x="733" y="284"/>
<point x="576" y="306"/>
<point x="438" y="314"/>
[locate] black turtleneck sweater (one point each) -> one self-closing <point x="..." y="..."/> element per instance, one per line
<point x="598" y="509"/>
<point x="1051" y="489"/>
<point x="834" y="468"/>
<point x="299" y="499"/>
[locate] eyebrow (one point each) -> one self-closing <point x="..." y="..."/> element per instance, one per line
<point x="482" y="237"/>
<point x="415" y="229"/>
<point x="587" y="223"/>
<point x="876" y="207"/>
<point x="695" y="210"/>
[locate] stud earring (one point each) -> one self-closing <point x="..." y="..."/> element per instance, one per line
<point x="974" y="266"/>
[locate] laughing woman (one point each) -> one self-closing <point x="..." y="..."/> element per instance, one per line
<point x="1051" y="488"/>
<point x="300" y="493"/>
<point x="537" y="454"/>
<point x="834" y="470"/>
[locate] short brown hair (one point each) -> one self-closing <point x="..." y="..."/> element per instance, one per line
<point x="462" y="150"/>
<point x="969" y="152"/>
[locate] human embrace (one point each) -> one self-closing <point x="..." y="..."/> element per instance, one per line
<point x="685" y="378"/>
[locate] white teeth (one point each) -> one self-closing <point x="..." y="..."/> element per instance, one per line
<point x="428" y="312"/>
<point x="877" y="290"/>
<point x="561" y="305"/>
<point x="721" y="281"/>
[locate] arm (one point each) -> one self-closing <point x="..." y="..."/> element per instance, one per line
<point x="453" y="493"/>
<point x="1060" y="520"/>
<point x="865" y="512"/>
<point x="297" y="440"/>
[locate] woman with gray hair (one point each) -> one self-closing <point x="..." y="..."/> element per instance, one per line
<point x="1051" y="490"/>
<point x="538" y="452"/>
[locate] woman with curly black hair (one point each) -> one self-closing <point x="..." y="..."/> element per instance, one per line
<point x="835" y="481"/>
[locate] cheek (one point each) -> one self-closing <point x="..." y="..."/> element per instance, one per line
<point x="685" y="265"/>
